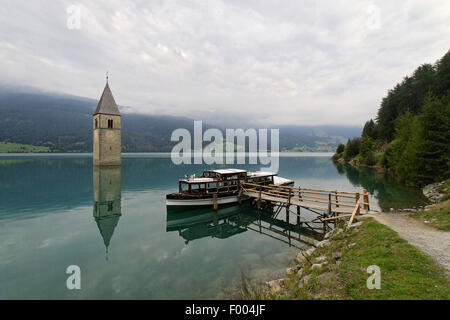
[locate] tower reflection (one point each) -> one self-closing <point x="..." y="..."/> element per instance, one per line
<point x="107" y="201"/>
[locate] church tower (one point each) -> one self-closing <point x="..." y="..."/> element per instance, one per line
<point x="107" y="131"/>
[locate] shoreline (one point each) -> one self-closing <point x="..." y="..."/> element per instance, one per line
<point x="328" y="270"/>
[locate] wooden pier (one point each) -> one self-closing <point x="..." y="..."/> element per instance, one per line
<point x="326" y="206"/>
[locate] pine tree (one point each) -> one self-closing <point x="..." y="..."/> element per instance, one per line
<point x="442" y="84"/>
<point x="434" y="152"/>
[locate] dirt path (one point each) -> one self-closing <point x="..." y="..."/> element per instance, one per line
<point x="433" y="242"/>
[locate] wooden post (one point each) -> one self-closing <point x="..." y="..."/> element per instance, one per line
<point x="366" y="200"/>
<point x="240" y="197"/>
<point x="354" y="213"/>
<point x="288" y="205"/>
<point x="329" y="204"/>
<point x="259" y="200"/>
<point x="215" y="217"/>
<point x="336" y="196"/>
<point x="357" y="198"/>
<point x="215" y="202"/>
<point x="328" y="214"/>
<point x="298" y="215"/>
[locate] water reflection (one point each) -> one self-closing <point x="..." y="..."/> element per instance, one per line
<point x="107" y="207"/>
<point x="388" y="192"/>
<point x="228" y="221"/>
<point x="48" y="205"/>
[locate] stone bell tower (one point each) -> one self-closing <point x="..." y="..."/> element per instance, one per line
<point x="107" y="131"/>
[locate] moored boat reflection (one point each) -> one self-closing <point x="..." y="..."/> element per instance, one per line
<point x="232" y="220"/>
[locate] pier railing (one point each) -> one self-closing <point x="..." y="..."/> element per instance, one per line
<point x="332" y="201"/>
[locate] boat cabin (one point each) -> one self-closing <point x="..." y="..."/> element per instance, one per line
<point x="223" y="181"/>
<point x="260" y="177"/>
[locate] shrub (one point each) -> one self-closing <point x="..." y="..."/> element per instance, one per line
<point x="370" y="158"/>
<point x="352" y="148"/>
<point x="340" y="148"/>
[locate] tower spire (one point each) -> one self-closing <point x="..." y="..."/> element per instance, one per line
<point x="107" y="76"/>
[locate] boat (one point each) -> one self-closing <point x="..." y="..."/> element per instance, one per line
<point x="224" y="183"/>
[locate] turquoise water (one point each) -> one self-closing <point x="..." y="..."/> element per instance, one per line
<point x="56" y="211"/>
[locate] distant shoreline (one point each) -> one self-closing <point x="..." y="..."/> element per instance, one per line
<point x="281" y="153"/>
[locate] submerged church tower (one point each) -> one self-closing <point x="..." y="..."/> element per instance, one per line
<point x="107" y="131"/>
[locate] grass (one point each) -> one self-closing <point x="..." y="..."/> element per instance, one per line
<point x="437" y="216"/>
<point x="406" y="273"/>
<point x="446" y="188"/>
<point x="7" y="147"/>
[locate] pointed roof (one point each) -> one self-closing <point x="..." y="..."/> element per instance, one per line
<point x="107" y="104"/>
<point x="106" y="227"/>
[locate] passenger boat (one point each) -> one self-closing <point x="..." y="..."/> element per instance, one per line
<point x="226" y="183"/>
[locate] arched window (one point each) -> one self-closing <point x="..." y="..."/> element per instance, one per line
<point x="110" y="123"/>
<point x="96" y="123"/>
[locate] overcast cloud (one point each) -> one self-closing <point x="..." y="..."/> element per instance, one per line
<point x="277" y="62"/>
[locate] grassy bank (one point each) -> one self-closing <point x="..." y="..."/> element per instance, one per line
<point x="6" y="147"/>
<point x="438" y="215"/>
<point x="406" y="273"/>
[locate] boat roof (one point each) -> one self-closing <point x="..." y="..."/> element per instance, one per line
<point x="198" y="180"/>
<point x="227" y="171"/>
<point x="260" y="174"/>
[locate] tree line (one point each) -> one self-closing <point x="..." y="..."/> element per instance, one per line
<point x="411" y="132"/>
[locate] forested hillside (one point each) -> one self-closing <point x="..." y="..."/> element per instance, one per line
<point x="410" y="136"/>
<point x="63" y="123"/>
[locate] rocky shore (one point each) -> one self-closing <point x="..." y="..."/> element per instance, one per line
<point x="435" y="191"/>
<point x="308" y="260"/>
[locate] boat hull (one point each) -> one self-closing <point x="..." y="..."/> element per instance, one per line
<point x="201" y="202"/>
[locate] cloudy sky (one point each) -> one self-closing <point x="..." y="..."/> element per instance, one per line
<point x="277" y="62"/>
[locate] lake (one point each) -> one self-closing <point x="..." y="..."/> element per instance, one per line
<point x="57" y="211"/>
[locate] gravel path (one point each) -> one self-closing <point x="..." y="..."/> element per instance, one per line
<point x="433" y="242"/>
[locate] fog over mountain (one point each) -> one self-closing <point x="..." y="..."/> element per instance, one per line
<point x="64" y="123"/>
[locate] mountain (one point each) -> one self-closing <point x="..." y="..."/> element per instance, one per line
<point x="64" y="124"/>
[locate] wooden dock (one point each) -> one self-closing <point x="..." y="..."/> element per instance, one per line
<point x="327" y="206"/>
